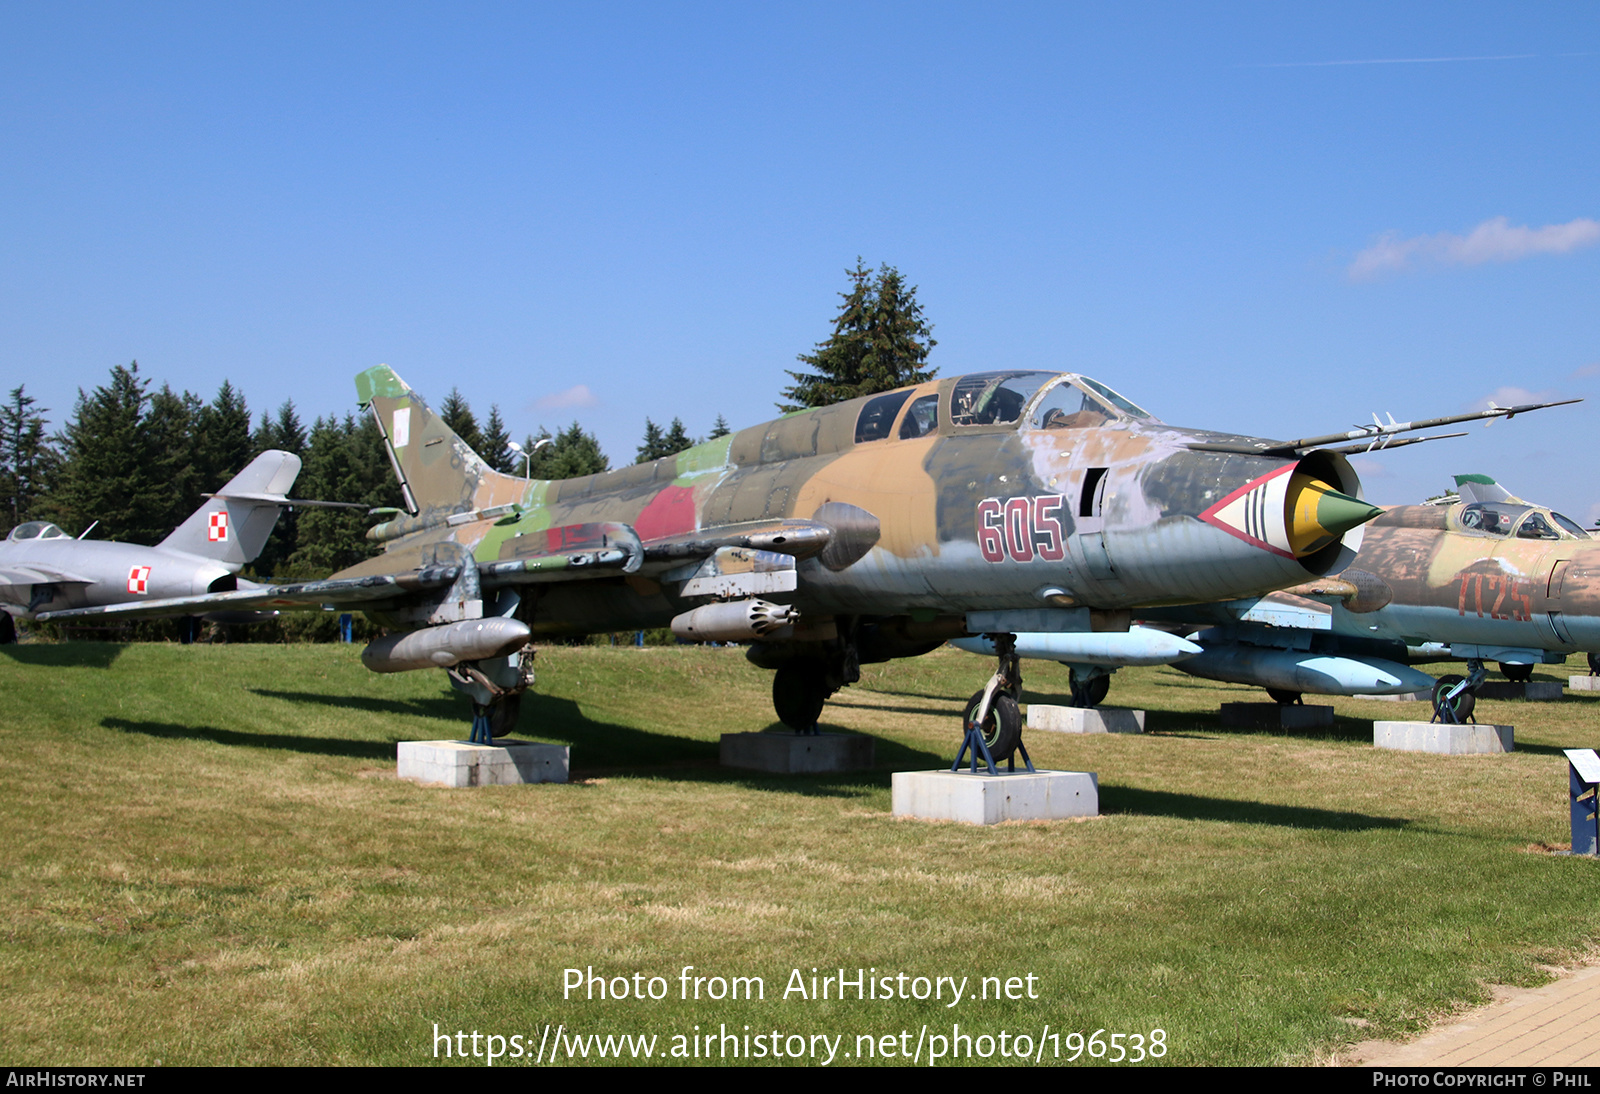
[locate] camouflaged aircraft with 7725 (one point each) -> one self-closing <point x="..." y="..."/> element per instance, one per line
<point x="876" y="528"/>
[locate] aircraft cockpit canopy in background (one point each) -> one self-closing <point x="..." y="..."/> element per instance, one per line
<point x="1028" y="400"/>
<point x="36" y="529"/>
<point x="1517" y="521"/>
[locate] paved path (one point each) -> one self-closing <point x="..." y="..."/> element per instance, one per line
<point x="1553" y="1026"/>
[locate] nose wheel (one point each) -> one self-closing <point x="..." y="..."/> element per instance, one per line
<point x="1455" y="696"/>
<point x="991" y="722"/>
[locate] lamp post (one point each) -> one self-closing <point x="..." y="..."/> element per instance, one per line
<point x="527" y="453"/>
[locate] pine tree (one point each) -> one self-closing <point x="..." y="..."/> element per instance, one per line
<point x="653" y="447"/>
<point x="719" y="428"/>
<point x="676" y="439"/>
<point x="880" y="341"/>
<point x="456" y="414"/>
<point x="170" y="426"/>
<point x="571" y="453"/>
<point x="221" y="438"/>
<point x="27" y="458"/>
<point x="105" y="473"/>
<point x="496" y="450"/>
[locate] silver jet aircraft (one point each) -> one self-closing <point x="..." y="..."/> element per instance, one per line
<point x="42" y="569"/>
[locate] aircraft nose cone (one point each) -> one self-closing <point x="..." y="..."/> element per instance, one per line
<point x="1319" y="514"/>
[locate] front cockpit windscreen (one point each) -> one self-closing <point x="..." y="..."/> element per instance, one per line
<point x="36" y="529"/>
<point x="1131" y="409"/>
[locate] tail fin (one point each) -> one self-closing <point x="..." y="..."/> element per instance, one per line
<point x="436" y="469"/>
<point x="1481" y="488"/>
<point x="234" y="523"/>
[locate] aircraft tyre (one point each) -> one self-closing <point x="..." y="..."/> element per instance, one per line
<point x="8" y="629"/>
<point x="1088" y="695"/>
<point x="1283" y="697"/>
<point x="1463" y="702"/>
<point x="1594" y="664"/>
<point x="503" y="715"/>
<point x="1517" y="674"/>
<point x="1002" y="729"/>
<point x="798" y="693"/>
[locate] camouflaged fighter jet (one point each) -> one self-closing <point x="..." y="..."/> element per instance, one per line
<point x="993" y="503"/>
<point x="44" y="570"/>
<point x="1490" y="577"/>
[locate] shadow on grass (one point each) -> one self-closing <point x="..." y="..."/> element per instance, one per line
<point x="447" y="708"/>
<point x="953" y="711"/>
<point x="1161" y="803"/>
<point x="1184" y="723"/>
<point x="91" y="655"/>
<point x="316" y="746"/>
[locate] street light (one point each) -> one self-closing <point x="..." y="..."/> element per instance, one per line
<point x="527" y="453"/>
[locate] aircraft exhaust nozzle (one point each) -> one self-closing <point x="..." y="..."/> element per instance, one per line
<point x="734" y="621"/>
<point x="445" y="646"/>
<point x="1318" y="514"/>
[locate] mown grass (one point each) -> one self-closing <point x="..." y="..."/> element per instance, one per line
<point x="208" y="859"/>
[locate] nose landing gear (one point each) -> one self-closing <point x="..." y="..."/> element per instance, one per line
<point x="992" y="720"/>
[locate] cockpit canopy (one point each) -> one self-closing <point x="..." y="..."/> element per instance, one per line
<point x="1067" y="400"/>
<point x="36" y="529"/>
<point x="1515" y="521"/>
<point x="1028" y="400"/>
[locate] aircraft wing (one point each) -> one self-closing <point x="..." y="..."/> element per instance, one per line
<point x="621" y="554"/>
<point x="35" y="574"/>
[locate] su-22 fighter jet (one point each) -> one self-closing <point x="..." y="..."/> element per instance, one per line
<point x="877" y="528"/>
<point x="1487" y="577"/>
<point x="44" y="570"/>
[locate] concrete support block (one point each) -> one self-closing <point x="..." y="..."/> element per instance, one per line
<point x="506" y="763"/>
<point x="990" y="799"/>
<point x="797" y="753"/>
<point x="1533" y="690"/>
<point x="1583" y="683"/>
<point x="1275" y="716"/>
<point x="1078" y="720"/>
<point x="1444" y="739"/>
<point x="1408" y="697"/>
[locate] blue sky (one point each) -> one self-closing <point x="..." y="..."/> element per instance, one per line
<point x="1268" y="218"/>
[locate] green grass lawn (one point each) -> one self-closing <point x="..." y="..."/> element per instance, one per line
<point x="208" y="859"/>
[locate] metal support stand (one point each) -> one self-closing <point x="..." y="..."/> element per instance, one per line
<point x="974" y="741"/>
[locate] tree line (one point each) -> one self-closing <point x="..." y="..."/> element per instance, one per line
<point x="133" y="462"/>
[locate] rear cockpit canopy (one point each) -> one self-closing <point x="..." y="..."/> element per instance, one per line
<point x="1515" y="521"/>
<point x="36" y="529"/>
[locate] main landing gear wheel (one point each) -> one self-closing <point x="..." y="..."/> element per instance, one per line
<point x="798" y="693"/>
<point x="1594" y="664"/>
<point x="1089" y="693"/>
<point x="8" y="629"/>
<point x="1517" y="674"/>
<point x="1283" y="697"/>
<point x="1002" y="729"/>
<point x="1455" y="711"/>
<point x="503" y="715"/>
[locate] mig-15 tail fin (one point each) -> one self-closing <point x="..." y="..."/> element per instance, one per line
<point x="234" y="523"/>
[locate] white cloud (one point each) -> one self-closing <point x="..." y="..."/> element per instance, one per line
<point x="1494" y="240"/>
<point x="577" y="395"/>
<point x="1370" y="469"/>
<point x="1586" y="370"/>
